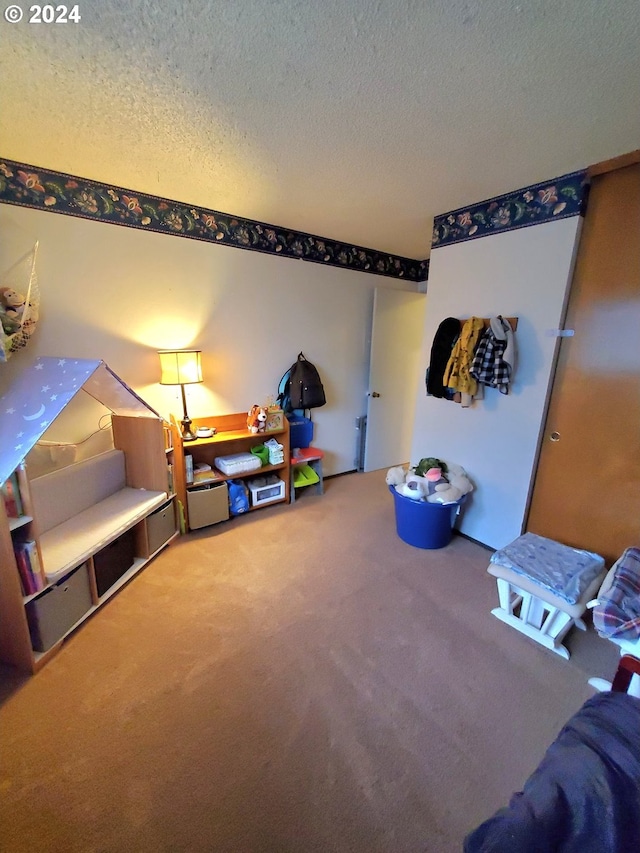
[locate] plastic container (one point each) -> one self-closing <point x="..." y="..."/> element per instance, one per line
<point x="300" y="431"/>
<point x="424" y="524"/>
<point x="237" y="463"/>
<point x="262" y="453"/>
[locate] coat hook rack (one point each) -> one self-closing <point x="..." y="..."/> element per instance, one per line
<point x="512" y="321"/>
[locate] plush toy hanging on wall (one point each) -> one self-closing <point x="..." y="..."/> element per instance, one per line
<point x="19" y="304"/>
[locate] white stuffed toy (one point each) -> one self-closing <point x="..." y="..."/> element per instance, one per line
<point x="457" y="476"/>
<point x="421" y="484"/>
<point x="395" y="476"/>
<point x="410" y="490"/>
<point x="445" y="493"/>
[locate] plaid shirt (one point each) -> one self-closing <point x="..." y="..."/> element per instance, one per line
<point x="488" y="366"/>
<point x="617" y="613"/>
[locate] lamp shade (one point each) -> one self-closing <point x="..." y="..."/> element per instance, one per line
<point x="180" y="367"/>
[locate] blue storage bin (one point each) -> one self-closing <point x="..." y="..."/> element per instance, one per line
<point x="423" y="524"/>
<point x="300" y="431"/>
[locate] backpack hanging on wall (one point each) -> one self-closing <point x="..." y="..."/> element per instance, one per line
<point x="301" y="387"/>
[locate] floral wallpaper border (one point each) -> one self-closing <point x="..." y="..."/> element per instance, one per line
<point x="43" y="189"/>
<point x="557" y="199"/>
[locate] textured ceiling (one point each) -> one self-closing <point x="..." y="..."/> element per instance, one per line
<point x="357" y="120"/>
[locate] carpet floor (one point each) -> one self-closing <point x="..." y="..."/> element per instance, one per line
<point x="298" y="679"/>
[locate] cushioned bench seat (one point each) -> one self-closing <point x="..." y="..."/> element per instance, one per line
<point x="73" y="541"/>
<point x="85" y="506"/>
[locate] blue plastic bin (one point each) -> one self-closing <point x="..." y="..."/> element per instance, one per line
<point x="423" y="524"/>
<point x="300" y="431"/>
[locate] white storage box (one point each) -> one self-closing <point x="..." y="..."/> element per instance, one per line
<point x="237" y="463"/>
<point x="265" y="490"/>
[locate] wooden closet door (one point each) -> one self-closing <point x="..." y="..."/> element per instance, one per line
<point x="587" y="486"/>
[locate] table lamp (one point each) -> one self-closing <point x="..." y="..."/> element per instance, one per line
<point x="181" y="367"/>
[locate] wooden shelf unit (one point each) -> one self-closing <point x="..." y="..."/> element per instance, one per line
<point x="141" y="441"/>
<point x="232" y="436"/>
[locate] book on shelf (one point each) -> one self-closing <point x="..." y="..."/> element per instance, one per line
<point x="188" y="467"/>
<point x="29" y="567"/>
<point x="168" y="437"/>
<point x="11" y="497"/>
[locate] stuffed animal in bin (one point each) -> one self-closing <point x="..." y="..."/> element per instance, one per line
<point x="459" y="484"/>
<point x="395" y="476"/>
<point x="411" y="490"/>
<point x="257" y="419"/>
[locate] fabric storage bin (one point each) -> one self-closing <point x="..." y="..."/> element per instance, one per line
<point x="53" y="613"/>
<point x="207" y="505"/>
<point x="161" y="525"/>
<point x="114" y="560"/>
<point x="300" y="431"/>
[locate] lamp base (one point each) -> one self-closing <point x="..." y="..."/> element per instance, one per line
<point x="187" y="434"/>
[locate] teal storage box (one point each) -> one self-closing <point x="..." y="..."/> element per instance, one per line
<point x="300" y="431"/>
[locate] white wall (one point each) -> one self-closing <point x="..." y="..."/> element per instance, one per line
<point x="120" y="294"/>
<point x="525" y="274"/>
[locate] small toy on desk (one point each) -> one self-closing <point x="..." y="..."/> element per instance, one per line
<point x="257" y="419"/>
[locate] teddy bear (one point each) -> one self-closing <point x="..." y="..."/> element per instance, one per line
<point x="395" y="476"/>
<point x="457" y="476"/>
<point x="445" y="493"/>
<point x="12" y="306"/>
<point x="257" y="419"/>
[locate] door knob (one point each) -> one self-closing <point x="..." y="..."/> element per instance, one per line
<point x="374" y="394"/>
<point x="555" y="436"/>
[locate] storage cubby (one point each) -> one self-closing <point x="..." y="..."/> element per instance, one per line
<point x="91" y="525"/>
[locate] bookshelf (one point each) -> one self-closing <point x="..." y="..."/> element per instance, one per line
<point x="73" y="533"/>
<point x="231" y="437"/>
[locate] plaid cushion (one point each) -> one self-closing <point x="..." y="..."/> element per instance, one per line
<point x="617" y="613"/>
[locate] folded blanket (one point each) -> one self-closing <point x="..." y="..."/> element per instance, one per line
<point x="563" y="571"/>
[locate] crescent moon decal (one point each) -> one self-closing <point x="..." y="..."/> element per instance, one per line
<point x="38" y="414"/>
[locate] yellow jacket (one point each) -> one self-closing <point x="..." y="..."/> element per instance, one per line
<point x="456" y="374"/>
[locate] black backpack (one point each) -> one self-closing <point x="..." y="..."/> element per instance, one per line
<point x="301" y="387"/>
